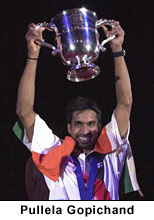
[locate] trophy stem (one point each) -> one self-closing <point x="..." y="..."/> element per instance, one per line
<point x="83" y="72"/>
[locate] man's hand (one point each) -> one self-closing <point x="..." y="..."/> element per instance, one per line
<point x="116" y="43"/>
<point x="31" y="36"/>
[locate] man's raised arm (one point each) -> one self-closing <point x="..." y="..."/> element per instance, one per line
<point x="122" y="80"/>
<point x="26" y="90"/>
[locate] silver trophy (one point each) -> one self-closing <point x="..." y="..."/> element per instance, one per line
<point x="77" y="40"/>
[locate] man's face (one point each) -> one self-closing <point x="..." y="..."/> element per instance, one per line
<point x="84" y="128"/>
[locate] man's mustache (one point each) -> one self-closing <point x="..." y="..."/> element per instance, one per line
<point x="89" y="135"/>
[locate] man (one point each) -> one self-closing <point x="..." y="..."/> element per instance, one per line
<point x="88" y="164"/>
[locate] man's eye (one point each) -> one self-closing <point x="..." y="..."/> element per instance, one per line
<point x="77" y="124"/>
<point x="92" y="124"/>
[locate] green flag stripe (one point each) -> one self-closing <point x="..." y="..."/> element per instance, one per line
<point x="127" y="181"/>
<point x="18" y="129"/>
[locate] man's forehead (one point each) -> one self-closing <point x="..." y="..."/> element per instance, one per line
<point x="88" y="115"/>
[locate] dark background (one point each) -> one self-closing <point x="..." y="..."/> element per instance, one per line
<point x="53" y="91"/>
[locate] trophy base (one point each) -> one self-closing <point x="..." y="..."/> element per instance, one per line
<point x="82" y="73"/>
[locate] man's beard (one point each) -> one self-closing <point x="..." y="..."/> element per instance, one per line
<point x="86" y="147"/>
<point x="86" y="142"/>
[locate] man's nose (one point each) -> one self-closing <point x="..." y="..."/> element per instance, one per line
<point x="84" y="129"/>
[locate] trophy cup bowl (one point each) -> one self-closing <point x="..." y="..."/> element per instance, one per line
<point x="77" y="41"/>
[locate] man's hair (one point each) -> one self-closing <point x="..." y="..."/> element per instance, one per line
<point x="80" y="104"/>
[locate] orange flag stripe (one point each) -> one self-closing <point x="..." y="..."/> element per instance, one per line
<point x="51" y="163"/>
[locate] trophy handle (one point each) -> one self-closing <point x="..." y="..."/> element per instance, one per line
<point x="105" y="22"/>
<point x="50" y="27"/>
